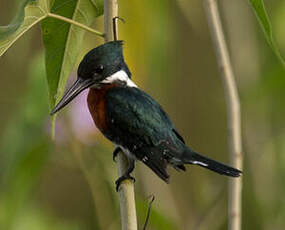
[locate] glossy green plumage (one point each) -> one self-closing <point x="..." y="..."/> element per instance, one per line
<point x="108" y="55"/>
<point x="133" y="110"/>
<point x="138" y="123"/>
<point x="133" y="119"/>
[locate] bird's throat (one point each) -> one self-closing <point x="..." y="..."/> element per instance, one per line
<point x="97" y="104"/>
<point x="120" y="76"/>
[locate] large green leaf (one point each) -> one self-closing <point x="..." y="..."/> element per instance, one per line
<point x="262" y="16"/>
<point x="30" y="13"/>
<point x="63" y="41"/>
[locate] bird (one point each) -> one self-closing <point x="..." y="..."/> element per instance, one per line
<point x="130" y="118"/>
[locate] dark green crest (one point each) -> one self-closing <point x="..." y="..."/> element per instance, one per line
<point x="97" y="65"/>
<point x="108" y="57"/>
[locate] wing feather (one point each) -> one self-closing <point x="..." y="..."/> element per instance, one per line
<point x="137" y="122"/>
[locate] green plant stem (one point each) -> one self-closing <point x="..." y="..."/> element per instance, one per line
<point x="126" y="190"/>
<point x="75" y="23"/>
<point x="233" y="111"/>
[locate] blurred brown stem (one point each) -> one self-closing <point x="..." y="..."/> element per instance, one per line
<point x="233" y="111"/>
<point x="126" y="189"/>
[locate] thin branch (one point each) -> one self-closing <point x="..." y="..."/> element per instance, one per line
<point x="233" y="111"/>
<point x="110" y="12"/>
<point x="75" y="23"/>
<point x="148" y="212"/>
<point x="115" y="27"/>
<point x="126" y="189"/>
<point x="126" y="196"/>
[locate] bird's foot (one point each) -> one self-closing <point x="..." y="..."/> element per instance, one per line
<point x="115" y="153"/>
<point x="122" y="178"/>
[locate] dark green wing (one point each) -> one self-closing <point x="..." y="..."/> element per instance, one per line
<point x="137" y="122"/>
<point x="134" y="114"/>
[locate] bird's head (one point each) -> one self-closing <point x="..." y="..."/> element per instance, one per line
<point x="99" y="66"/>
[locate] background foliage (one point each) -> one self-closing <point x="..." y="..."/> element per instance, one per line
<point x="69" y="183"/>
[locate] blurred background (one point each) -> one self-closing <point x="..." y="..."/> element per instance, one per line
<point x="68" y="183"/>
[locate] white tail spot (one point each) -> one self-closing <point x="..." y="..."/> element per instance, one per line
<point x="199" y="163"/>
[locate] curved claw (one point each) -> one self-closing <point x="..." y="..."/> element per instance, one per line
<point x="118" y="18"/>
<point x="121" y="179"/>
<point x="115" y="153"/>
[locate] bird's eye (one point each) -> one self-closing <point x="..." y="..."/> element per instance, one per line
<point x="99" y="69"/>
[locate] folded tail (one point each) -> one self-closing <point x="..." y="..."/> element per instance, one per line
<point x="190" y="157"/>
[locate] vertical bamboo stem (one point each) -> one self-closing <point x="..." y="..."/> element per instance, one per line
<point x="233" y="111"/>
<point x="110" y="11"/>
<point x="126" y="190"/>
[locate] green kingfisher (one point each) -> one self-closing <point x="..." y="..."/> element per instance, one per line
<point x="131" y="118"/>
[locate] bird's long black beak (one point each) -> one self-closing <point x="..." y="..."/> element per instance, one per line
<point x="78" y="86"/>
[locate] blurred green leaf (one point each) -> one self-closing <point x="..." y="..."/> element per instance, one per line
<point x="36" y="218"/>
<point x="63" y="41"/>
<point x="30" y="13"/>
<point x="21" y="180"/>
<point x="24" y="158"/>
<point x="28" y="124"/>
<point x="262" y="16"/>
